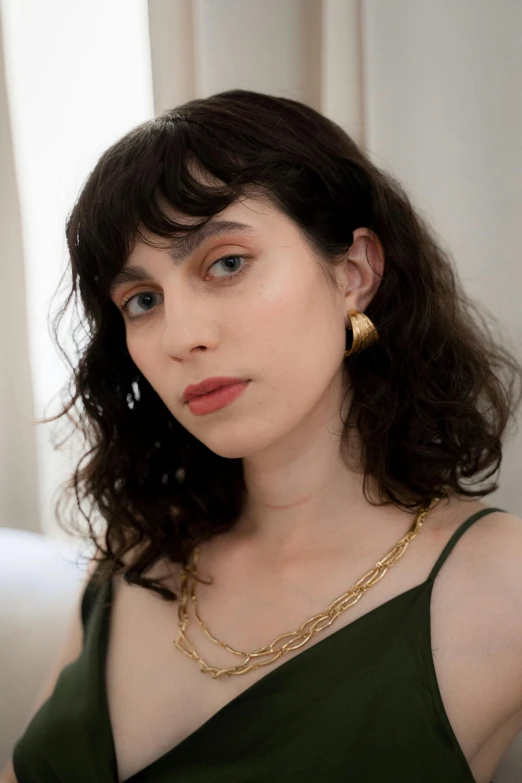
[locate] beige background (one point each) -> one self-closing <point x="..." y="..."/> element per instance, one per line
<point x="432" y="88"/>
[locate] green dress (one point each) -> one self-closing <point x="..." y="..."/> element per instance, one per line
<point x="360" y="706"/>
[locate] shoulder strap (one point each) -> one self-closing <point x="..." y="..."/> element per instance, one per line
<point x="88" y="599"/>
<point x="455" y="537"/>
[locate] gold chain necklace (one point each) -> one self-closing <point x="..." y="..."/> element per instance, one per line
<point x="307" y="630"/>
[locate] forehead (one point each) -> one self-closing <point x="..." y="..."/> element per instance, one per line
<point x="252" y="216"/>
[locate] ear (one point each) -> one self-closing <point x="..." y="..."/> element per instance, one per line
<point x="362" y="270"/>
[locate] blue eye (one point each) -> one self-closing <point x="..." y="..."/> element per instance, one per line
<point x="227" y="258"/>
<point x="147" y="295"/>
<point x="143" y="295"/>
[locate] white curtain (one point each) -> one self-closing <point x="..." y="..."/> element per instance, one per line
<point x="19" y="505"/>
<point x="431" y="88"/>
<point x="78" y="76"/>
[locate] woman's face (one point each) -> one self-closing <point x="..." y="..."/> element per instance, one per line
<point x="253" y="304"/>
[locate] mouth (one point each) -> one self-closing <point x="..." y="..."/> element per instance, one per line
<point x="221" y="397"/>
<point x="208" y="386"/>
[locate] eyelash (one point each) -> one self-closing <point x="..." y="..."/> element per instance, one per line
<point x="124" y="305"/>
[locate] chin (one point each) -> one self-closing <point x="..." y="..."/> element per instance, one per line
<point x="227" y="443"/>
<point x="229" y="448"/>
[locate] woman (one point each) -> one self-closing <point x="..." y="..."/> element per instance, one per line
<point x="290" y="404"/>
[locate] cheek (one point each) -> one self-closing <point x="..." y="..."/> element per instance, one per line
<point x="297" y="310"/>
<point x="299" y="336"/>
<point x="143" y="356"/>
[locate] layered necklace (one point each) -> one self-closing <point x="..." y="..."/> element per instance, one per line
<point x="291" y="640"/>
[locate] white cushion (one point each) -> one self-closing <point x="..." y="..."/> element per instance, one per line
<point x="40" y="582"/>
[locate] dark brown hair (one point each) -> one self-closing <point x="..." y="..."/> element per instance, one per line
<point x="431" y="400"/>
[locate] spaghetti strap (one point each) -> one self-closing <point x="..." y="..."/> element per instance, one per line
<point x="88" y="598"/>
<point x="455" y="537"/>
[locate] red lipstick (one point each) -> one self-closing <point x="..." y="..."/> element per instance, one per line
<point x="212" y="394"/>
<point x="208" y="385"/>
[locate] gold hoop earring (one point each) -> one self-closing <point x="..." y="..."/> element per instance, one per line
<point x="364" y="332"/>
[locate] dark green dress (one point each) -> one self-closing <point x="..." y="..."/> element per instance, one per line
<point x="360" y="706"/>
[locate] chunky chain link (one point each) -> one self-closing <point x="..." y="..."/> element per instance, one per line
<point x="306" y="631"/>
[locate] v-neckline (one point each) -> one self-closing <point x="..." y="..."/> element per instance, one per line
<point x="102" y="652"/>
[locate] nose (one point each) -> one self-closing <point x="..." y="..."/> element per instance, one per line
<point x="186" y="323"/>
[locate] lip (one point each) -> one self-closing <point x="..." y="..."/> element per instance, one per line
<point x="209" y="385"/>
<point x="204" y="404"/>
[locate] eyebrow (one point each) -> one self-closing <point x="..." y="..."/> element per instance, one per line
<point x="182" y="247"/>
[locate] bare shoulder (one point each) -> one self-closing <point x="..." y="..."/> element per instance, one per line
<point x="502" y="554"/>
<point x="495" y="560"/>
<point x="494" y="542"/>
<point x="497" y="554"/>
<point x="492" y="562"/>
<point x="480" y="586"/>
<point x="501" y="565"/>
<point x="476" y="624"/>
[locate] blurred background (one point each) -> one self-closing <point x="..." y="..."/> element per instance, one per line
<point x="432" y="89"/>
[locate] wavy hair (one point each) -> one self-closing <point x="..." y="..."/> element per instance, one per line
<point x="431" y="400"/>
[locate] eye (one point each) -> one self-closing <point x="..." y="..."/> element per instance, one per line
<point x="144" y="297"/>
<point x="231" y="271"/>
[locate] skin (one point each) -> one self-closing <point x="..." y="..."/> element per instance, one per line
<point x="283" y="325"/>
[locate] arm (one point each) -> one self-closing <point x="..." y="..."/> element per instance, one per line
<point x="8" y="775"/>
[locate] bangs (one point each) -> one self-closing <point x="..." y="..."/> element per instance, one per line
<point x="163" y="168"/>
<point x="172" y="174"/>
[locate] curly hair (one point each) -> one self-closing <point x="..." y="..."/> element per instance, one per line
<point x="431" y="400"/>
